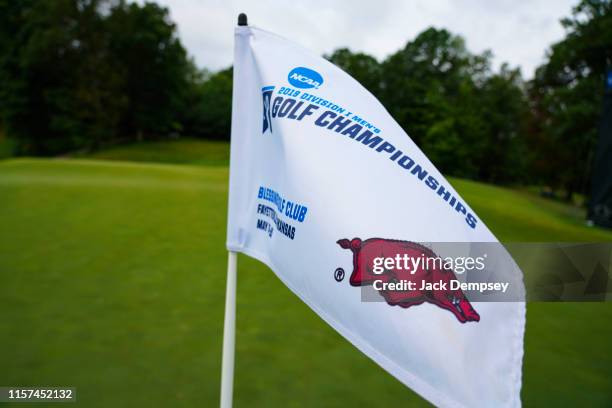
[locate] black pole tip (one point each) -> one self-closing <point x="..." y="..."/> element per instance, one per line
<point x="242" y="19"/>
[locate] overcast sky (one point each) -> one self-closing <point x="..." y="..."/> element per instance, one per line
<point x="518" y="32"/>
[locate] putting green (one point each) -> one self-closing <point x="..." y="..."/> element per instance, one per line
<point x="113" y="277"/>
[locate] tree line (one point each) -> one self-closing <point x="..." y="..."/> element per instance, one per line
<point x="83" y="74"/>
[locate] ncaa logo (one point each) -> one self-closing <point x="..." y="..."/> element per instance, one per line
<point x="304" y="78"/>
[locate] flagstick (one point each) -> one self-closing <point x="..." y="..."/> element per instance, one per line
<point x="229" y="333"/>
<point x="229" y="324"/>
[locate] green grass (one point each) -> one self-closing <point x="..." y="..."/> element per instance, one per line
<point x="524" y="216"/>
<point x="113" y="277"/>
<point x="184" y="151"/>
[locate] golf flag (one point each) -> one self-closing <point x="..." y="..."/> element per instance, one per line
<point x="330" y="192"/>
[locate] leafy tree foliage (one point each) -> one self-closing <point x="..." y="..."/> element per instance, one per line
<point x="209" y="114"/>
<point x="566" y="98"/>
<point x="82" y="73"/>
<point x="363" y="67"/>
<point x="155" y="68"/>
<point x="462" y="115"/>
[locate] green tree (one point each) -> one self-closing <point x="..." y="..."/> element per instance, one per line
<point x="464" y="117"/>
<point x="155" y="66"/>
<point x="421" y="81"/>
<point x="364" y="68"/>
<point x="83" y="73"/>
<point x="210" y="112"/>
<point x="566" y="97"/>
<point x="503" y="109"/>
<point x="58" y="86"/>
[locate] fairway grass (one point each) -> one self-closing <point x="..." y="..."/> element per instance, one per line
<point x="113" y="279"/>
<point x="182" y="151"/>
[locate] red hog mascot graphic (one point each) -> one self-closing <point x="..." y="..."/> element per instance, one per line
<point x="364" y="253"/>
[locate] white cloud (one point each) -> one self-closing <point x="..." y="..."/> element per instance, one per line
<point x="517" y="32"/>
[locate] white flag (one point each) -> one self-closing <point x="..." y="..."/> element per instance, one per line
<point x="324" y="182"/>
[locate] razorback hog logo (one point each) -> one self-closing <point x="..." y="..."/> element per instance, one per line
<point x="364" y="253"/>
